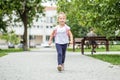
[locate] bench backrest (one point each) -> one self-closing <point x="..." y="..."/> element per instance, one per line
<point x="78" y="39"/>
<point x="101" y="38"/>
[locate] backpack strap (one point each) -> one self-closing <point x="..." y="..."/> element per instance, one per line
<point x="67" y="30"/>
<point x="55" y="32"/>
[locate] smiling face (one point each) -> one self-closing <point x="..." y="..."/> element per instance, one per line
<point x="62" y="19"/>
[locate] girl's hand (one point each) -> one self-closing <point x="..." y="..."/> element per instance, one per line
<point x="71" y="42"/>
<point x="50" y="42"/>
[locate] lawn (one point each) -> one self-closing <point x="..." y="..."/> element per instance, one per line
<point x="111" y="58"/>
<point x="4" y="52"/>
<point x="101" y="49"/>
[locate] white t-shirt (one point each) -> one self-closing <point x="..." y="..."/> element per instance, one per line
<point x="61" y="36"/>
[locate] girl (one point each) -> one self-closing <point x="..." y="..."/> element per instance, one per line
<point x="62" y="35"/>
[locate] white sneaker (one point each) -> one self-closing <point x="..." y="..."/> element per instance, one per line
<point x="59" y="68"/>
<point x="62" y="66"/>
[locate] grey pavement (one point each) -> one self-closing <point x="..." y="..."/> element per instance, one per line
<point x="40" y="64"/>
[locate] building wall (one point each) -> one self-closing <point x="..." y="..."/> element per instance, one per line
<point x="40" y="31"/>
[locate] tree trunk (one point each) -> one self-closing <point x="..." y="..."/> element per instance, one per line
<point x="25" y="46"/>
<point x="25" y="22"/>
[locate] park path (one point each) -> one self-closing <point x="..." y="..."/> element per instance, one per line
<point x="41" y="64"/>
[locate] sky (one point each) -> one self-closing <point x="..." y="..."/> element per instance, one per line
<point x="49" y="3"/>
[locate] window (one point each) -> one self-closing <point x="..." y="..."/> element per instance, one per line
<point x="47" y="26"/>
<point x="47" y="38"/>
<point x="51" y="20"/>
<point x="20" y="25"/>
<point x="47" y="19"/>
<point x="31" y="37"/>
<point x="37" y="26"/>
<point x="41" y="27"/>
<point x="33" y="26"/>
<point x="50" y="26"/>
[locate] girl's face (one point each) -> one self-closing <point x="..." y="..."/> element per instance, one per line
<point x="62" y="19"/>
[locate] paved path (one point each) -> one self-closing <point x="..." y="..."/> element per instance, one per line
<point x="41" y="65"/>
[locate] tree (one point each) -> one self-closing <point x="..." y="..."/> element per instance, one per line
<point x="3" y="24"/>
<point x="69" y="7"/>
<point x="25" y="10"/>
<point x="106" y="15"/>
<point x="103" y="15"/>
<point x="11" y="37"/>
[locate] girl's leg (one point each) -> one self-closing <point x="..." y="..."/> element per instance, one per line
<point x="64" y="47"/>
<point x="59" y="54"/>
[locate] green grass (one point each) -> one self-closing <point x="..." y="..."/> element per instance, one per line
<point x="111" y="58"/>
<point x="4" y="52"/>
<point x="101" y="49"/>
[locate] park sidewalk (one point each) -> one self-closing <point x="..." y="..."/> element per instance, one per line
<point x="41" y="64"/>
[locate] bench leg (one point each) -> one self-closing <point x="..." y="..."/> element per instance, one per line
<point x="82" y="49"/>
<point x="93" y="49"/>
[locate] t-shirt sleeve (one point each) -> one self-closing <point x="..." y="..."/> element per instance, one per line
<point x="55" y="28"/>
<point x="68" y="27"/>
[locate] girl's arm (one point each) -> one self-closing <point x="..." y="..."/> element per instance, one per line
<point x="71" y="37"/>
<point x="51" y="37"/>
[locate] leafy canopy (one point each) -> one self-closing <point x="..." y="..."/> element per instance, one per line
<point x="103" y="15"/>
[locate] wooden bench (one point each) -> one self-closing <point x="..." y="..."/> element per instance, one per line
<point x="77" y="41"/>
<point x="81" y="41"/>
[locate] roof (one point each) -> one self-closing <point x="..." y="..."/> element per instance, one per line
<point x="50" y="8"/>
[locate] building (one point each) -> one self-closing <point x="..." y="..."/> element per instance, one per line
<point x="40" y="30"/>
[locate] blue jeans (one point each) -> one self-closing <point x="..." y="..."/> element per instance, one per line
<point x="61" y="52"/>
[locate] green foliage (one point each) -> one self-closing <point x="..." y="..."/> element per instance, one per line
<point x="22" y="8"/>
<point x="72" y="16"/>
<point x="11" y="37"/>
<point x="3" y="24"/>
<point x="103" y="15"/>
<point x="25" y="10"/>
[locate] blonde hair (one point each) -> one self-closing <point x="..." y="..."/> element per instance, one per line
<point x="61" y="13"/>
